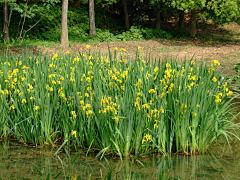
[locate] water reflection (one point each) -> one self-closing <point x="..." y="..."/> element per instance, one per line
<point x="16" y="163"/>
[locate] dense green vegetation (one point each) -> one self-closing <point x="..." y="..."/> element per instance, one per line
<point x="49" y="28"/>
<point x="125" y="106"/>
<point x="112" y="104"/>
<point x="110" y="21"/>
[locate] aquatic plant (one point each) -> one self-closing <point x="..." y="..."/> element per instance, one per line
<point x="114" y="104"/>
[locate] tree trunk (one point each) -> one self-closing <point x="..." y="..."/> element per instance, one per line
<point x="5" y="23"/>
<point x="64" y="26"/>
<point x="125" y="11"/>
<point x="163" y="13"/>
<point x="158" y="20"/>
<point x="91" y="18"/>
<point x="24" y="18"/>
<point x="181" y="19"/>
<point x="193" y="23"/>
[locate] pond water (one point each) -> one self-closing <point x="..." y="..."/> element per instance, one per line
<point x="16" y="162"/>
<point x="221" y="162"/>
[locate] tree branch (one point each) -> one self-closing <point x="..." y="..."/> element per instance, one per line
<point x="23" y="21"/>
<point x="38" y="22"/>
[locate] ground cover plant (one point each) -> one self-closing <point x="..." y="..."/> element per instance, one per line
<point x="113" y="103"/>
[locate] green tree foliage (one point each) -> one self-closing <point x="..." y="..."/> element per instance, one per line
<point x="187" y="5"/>
<point x="27" y="9"/>
<point x="219" y="10"/>
<point x="42" y="19"/>
<point x="223" y="10"/>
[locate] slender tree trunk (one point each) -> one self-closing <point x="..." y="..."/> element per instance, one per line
<point x="18" y="29"/>
<point x="181" y="19"/>
<point x="92" y="18"/>
<point x="5" y="23"/>
<point x="125" y="11"/>
<point x="24" y="18"/>
<point x="64" y="26"/>
<point x="193" y="23"/>
<point x="158" y="20"/>
<point x="163" y="14"/>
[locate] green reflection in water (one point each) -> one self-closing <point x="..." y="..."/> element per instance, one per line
<point x="16" y="163"/>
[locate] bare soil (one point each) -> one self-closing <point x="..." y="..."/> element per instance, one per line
<point x="227" y="53"/>
<point x="220" y="42"/>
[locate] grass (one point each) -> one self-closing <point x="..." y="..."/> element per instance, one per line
<point x="217" y="39"/>
<point x="235" y="55"/>
<point x="30" y="43"/>
<point x="118" y="106"/>
<point x="162" y="50"/>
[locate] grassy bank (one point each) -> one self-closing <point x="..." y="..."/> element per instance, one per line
<point x="114" y="104"/>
